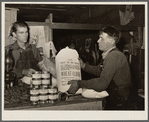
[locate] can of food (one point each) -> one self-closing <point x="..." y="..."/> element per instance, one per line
<point x="45" y="78"/>
<point x="36" y="78"/>
<point x="43" y="95"/>
<point x="45" y="74"/>
<point x="34" y="94"/>
<point x="53" y="94"/>
<point x="36" y="75"/>
<point x="63" y="96"/>
<point x="35" y="87"/>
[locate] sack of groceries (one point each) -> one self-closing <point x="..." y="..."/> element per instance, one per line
<point x="67" y="68"/>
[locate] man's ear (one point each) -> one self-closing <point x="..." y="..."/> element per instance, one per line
<point x="14" y="34"/>
<point x="112" y="41"/>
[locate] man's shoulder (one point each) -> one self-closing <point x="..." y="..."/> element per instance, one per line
<point x="11" y="46"/>
<point x="116" y="57"/>
<point x="116" y="53"/>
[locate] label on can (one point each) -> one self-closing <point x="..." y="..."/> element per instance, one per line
<point x="36" y="82"/>
<point x="34" y="98"/>
<point x="46" y="75"/>
<point x="43" y="97"/>
<point x="45" y="81"/>
<point x="43" y="91"/>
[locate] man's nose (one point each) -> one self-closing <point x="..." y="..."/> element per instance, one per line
<point x="98" y="40"/>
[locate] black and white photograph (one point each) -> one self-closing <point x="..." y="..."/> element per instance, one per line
<point x="74" y="61"/>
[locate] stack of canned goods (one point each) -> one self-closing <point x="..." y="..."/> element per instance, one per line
<point x="41" y="90"/>
<point x="53" y="94"/>
<point x="35" y="87"/>
<point x="43" y="97"/>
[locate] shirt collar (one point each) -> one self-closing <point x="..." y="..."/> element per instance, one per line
<point x="104" y="54"/>
<point x="17" y="47"/>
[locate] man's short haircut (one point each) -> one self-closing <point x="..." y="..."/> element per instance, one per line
<point x="17" y="24"/>
<point x="112" y="32"/>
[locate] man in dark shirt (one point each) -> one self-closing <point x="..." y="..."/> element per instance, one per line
<point x="26" y="56"/>
<point x="113" y="71"/>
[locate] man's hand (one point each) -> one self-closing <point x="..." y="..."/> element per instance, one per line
<point x="28" y="72"/>
<point x="82" y="64"/>
<point x="74" y="86"/>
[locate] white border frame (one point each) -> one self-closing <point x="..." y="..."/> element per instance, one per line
<point x="77" y="115"/>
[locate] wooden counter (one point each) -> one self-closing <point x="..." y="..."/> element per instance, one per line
<point x="73" y="103"/>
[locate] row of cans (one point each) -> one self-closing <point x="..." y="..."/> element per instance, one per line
<point x="41" y="91"/>
<point x="40" y="95"/>
<point x="41" y="78"/>
<point x="48" y="96"/>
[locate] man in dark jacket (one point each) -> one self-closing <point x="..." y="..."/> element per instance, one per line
<point x="113" y="71"/>
<point x="26" y="57"/>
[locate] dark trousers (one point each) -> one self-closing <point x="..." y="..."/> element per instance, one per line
<point x="117" y="104"/>
<point x="130" y="103"/>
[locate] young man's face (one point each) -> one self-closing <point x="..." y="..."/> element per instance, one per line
<point x="105" y="42"/>
<point x="21" y="34"/>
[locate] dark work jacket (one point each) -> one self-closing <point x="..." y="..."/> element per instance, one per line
<point x="25" y="59"/>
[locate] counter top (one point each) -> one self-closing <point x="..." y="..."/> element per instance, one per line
<point x="76" y="102"/>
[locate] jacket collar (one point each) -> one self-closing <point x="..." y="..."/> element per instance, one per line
<point x="104" y="54"/>
<point x="17" y="47"/>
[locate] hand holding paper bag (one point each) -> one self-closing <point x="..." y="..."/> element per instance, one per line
<point x="88" y="93"/>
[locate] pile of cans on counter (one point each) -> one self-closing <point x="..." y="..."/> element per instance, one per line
<point x="41" y="90"/>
